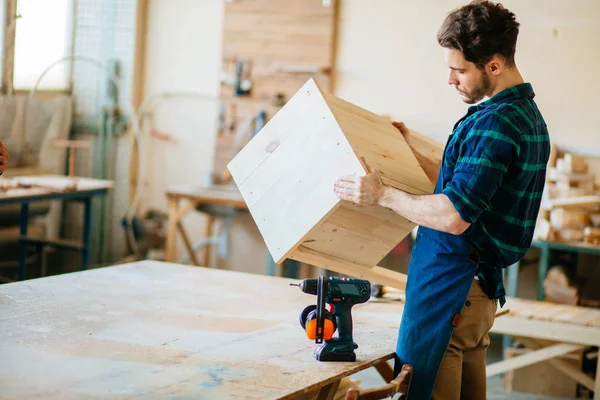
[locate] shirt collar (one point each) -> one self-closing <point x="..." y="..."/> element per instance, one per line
<point x="523" y="90"/>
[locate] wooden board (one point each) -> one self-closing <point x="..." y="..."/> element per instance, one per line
<point x="544" y="320"/>
<point x="541" y="378"/>
<point x="217" y="194"/>
<point x="44" y="184"/>
<point x="156" y="330"/>
<point x="287" y="171"/>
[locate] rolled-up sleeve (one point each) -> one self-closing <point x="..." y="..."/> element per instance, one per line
<point x="483" y="159"/>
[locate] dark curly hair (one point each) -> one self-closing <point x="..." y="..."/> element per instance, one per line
<point x="481" y="29"/>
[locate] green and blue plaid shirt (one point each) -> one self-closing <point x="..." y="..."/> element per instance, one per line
<point x="494" y="171"/>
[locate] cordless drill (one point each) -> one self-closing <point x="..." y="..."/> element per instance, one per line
<point x="340" y="294"/>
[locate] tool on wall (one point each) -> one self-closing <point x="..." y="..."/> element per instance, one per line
<point x="243" y="82"/>
<point x="320" y="324"/>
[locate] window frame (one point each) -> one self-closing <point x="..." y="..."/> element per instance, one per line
<point x="8" y="53"/>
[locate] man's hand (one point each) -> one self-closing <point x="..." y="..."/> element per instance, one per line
<point x="361" y="190"/>
<point x="4" y="157"/>
<point x="403" y="129"/>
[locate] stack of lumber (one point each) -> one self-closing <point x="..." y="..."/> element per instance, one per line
<point x="571" y="207"/>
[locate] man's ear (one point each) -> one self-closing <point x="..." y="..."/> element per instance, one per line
<point x="495" y="66"/>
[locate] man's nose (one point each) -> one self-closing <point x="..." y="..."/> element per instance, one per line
<point x="452" y="78"/>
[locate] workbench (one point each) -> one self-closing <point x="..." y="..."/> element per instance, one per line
<point x="154" y="330"/>
<point x="226" y="196"/>
<point x="55" y="187"/>
<point x="217" y="201"/>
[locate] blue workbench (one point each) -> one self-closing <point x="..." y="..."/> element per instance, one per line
<point x="55" y="187"/>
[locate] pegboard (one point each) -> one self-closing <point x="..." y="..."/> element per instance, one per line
<point x="279" y="45"/>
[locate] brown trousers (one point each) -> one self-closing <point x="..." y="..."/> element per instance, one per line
<point x="462" y="372"/>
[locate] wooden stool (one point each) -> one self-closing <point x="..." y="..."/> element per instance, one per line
<point x="400" y="385"/>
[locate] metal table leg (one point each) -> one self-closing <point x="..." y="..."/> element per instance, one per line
<point x="87" y="233"/>
<point x="270" y="264"/>
<point x="291" y="269"/>
<point x="543" y="270"/>
<point x="24" y="221"/>
<point x="511" y="291"/>
<point x="513" y="280"/>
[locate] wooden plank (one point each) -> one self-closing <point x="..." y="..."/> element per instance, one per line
<point x="188" y="244"/>
<point x="152" y="327"/>
<point x="386" y="371"/>
<point x="171" y="239"/>
<point x="210" y="220"/>
<point x="218" y="194"/>
<point x="579" y="201"/>
<point x="529" y="358"/>
<point x="563" y="366"/>
<point x="556" y="331"/>
<point x="328" y="392"/>
<point x="575" y="315"/>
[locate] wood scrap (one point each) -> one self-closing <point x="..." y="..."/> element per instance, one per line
<point x="591" y="235"/>
<point x="15" y="184"/>
<point x="574" y="164"/>
<point x="571" y="203"/>
<point x="543" y="230"/>
<point x="568" y="235"/>
<point x="575" y="202"/>
<point x="561" y="218"/>
<point x="561" y="287"/>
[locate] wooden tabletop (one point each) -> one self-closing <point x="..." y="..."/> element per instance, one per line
<point x="216" y="194"/>
<point x="46" y="185"/>
<point x="152" y="330"/>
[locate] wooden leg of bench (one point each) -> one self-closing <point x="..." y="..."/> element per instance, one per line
<point x="328" y="392"/>
<point x="386" y="371"/>
<point x="400" y="385"/>
<point x="597" y="386"/>
<point x="560" y="365"/>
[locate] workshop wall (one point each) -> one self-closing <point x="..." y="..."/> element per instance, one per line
<point x="388" y="62"/>
<point x="183" y="54"/>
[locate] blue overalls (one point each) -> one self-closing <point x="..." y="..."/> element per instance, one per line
<point x="440" y="276"/>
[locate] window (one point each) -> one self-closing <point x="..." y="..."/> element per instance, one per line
<point x="44" y="34"/>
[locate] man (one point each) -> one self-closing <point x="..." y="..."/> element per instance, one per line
<point x="4" y="156"/>
<point x="482" y="214"/>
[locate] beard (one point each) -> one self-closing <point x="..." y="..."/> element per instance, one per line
<point x="479" y="91"/>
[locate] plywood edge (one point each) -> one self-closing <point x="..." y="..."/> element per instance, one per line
<point x="379" y="275"/>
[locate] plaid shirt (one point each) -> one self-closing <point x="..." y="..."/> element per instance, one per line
<point x="494" y="172"/>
